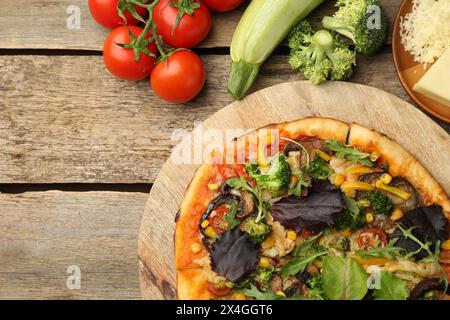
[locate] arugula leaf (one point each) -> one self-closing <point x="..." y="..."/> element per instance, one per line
<point x="389" y="252"/>
<point x="230" y="217"/>
<point x="306" y="245"/>
<point x="319" y="169"/>
<point x="297" y="265"/>
<point x="254" y="292"/>
<point x="392" y="288"/>
<point x="433" y="257"/>
<point x="344" y="151"/>
<point x="304" y="254"/>
<point x="343" y="278"/>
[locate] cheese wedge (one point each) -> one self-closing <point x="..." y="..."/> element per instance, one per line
<point x="435" y="84"/>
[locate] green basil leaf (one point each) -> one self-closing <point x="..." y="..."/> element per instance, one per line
<point x="343" y="279"/>
<point x="391" y="288"/>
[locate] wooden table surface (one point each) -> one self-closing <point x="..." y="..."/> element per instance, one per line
<point x="79" y="150"/>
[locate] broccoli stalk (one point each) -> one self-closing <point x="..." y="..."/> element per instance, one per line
<point x="356" y="20"/>
<point x="319" y="55"/>
<point x="257" y="231"/>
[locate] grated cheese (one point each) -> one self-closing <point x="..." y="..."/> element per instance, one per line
<point x="425" y="32"/>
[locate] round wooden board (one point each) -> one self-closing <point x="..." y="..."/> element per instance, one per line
<point x="410" y="72"/>
<point x="289" y="101"/>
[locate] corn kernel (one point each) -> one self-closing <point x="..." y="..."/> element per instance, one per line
<point x="264" y="262"/>
<point x="280" y="293"/>
<point x="196" y="247"/>
<point x="349" y="193"/>
<point x="205" y="223"/>
<point x="386" y="178"/>
<point x="369" y="217"/>
<point x="239" y="296"/>
<point x="397" y="214"/>
<point x="374" y="156"/>
<point x="364" y="203"/>
<point x="346" y="232"/>
<point x="338" y="179"/>
<point x="445" y="245"/>
<point x="213" y="186"/>
<point x="210" y="232"/>
<point x="322" y="154"/>
<point x="268" y="243"/>
<point x="292" y="235"/>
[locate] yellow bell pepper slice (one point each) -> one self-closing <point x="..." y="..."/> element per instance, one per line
<point x="395" y="191"/>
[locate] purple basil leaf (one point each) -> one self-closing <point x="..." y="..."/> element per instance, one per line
<point x="234" y="256"/>
<point x="320" y="209"/>
<point x="431" y="225"/>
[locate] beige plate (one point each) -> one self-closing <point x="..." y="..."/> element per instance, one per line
<point x="289" y="101"/>
<point x="409" y="71"/>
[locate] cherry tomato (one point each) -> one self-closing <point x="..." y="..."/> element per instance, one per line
<point x="372" y="237"/>
<point x="217" y="220"/>
<point x="180" y="79"/>
<point x="223" y="5"/>
<point x="106" y="14"/>
<point x="191" y="30"/>
<point x="305" y="233"/>
<point x="216" y="290"/>
<point x="121" y="61"/>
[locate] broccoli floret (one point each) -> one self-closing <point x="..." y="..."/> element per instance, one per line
<point x="265" y="275"/>
<point x="319" y="55"/>
<point x="315" y="284"/>
<point x="380" y="202"/>
<point x="359" y="21"/>
<point x="352" y="217"/>
<point x="342" y="244"/>
<point x="257" y="231"/>
<point x="277" y="177"/>
<point x="319" y="169"/>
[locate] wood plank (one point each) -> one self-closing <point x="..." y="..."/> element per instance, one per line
<point x="43" y="233"/>
<point x="64" y="119"/>
<point x="46" y="26"/>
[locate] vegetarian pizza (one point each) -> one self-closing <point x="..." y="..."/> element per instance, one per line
<point x="340" y="211"/>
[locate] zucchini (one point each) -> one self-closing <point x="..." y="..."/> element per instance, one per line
<point x="263" y="26"/>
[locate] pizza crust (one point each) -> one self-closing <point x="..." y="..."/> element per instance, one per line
<point x="322" y="128"/>
<point x="192" y="285"/>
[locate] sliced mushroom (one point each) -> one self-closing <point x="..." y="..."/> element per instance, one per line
<point x="427" y="285"/>
<point x="291" y="147"/>
<point x="397" y="182"/>
<point x="292" y="286"/>
<point x="276" y="283"/>
<point x="247" y="202"/>
<point x="249" y="205"/>
<point x="413" y="202"/>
